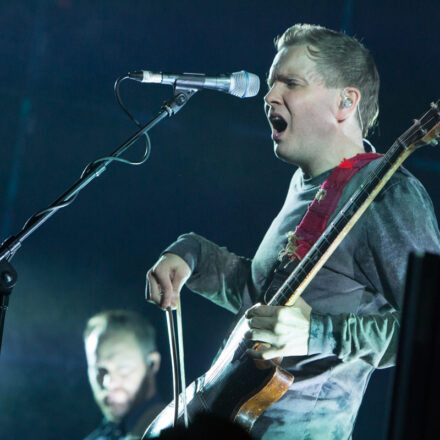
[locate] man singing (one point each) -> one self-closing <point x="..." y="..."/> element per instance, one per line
<point x="322" y="101"/>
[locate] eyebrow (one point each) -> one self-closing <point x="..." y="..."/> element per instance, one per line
<point x="284" y="78"/>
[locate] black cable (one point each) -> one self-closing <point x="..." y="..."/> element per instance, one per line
<point x="127" y="112"/>
<point x="44" y="211"/>
<point x="108" y="159"/>
<point x="119" y="100"/>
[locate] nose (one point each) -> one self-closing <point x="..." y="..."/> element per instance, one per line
<point x="109" y="381"/>
<point x="273" y="96"/>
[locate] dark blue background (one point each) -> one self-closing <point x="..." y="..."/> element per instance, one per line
<point x="211" y="170"/>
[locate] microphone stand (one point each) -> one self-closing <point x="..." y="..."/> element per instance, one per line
<point x="8" y="275"/>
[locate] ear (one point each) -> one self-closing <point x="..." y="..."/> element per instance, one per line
<point x="153" y="361"/>
<point x="348" y="101"/>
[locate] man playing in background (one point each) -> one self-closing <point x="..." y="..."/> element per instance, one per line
<point x="122" y="364"/>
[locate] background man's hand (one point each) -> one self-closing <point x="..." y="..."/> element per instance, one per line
<point x="285" y="328"/>
<point x="165" y="280"/>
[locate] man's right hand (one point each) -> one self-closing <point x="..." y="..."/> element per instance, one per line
<point x="165" y="280"/>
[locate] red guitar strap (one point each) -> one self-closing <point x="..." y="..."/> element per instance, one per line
<point x="320" y="210"/>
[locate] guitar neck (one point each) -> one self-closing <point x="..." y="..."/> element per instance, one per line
<point x="424" y="131"/>
<point x="347" y="217"/>
<point x="320" y="252"/>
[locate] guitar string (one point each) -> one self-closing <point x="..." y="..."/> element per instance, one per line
<point x="375" y="174"/>
<point x="335" y="224"/>
<point x="327" y="238"/>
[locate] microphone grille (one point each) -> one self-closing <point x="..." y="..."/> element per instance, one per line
<point x="244" y="84"/>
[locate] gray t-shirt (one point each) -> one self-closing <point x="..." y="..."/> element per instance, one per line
<point x="355" y="298"/>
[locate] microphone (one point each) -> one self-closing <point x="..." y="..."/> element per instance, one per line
<point x="241" y="84"/>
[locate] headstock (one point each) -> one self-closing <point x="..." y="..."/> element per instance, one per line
<point x="424" y="131"/>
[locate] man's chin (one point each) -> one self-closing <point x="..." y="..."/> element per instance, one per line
<point x="115" y="412"/>
<point x="287" y="152"/>
<point x="280" y="154"/>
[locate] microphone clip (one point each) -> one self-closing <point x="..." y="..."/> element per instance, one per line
<point x="182" y="95"/>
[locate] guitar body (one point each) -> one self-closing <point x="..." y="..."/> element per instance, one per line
<point x="236" y="387"/>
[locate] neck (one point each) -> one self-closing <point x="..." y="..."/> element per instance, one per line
<point x="332" y="154"/>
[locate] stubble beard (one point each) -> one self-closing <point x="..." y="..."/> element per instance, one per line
<point x="115" y="411"/>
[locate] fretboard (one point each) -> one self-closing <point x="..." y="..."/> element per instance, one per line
<point x="337" y="229"/>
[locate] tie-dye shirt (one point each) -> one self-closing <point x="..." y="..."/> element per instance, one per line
<point x="355" y="298"/>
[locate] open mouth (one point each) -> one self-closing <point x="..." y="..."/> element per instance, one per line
<point x="278" y="124"/>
